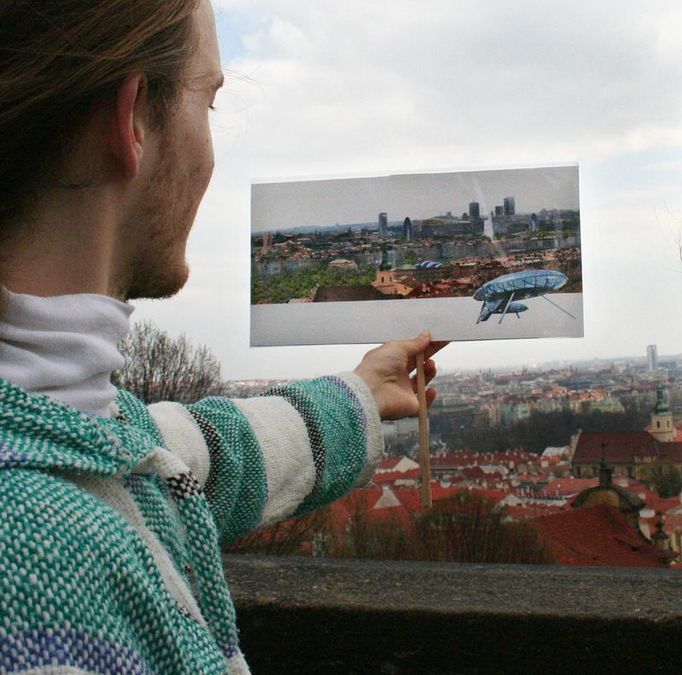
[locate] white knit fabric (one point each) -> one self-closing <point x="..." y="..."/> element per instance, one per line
<point x="288" y="458"/>
<point x="237" y="665"/>
<point x="282" y="435"/>
<point x="182" y="437"/>
<point x="375" y="437"/>
<point x="64" y="346"/>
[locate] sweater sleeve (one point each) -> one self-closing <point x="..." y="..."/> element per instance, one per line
<point x="283" y="453"/>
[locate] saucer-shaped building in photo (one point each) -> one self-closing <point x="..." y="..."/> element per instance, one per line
<point x="499" y="295"/>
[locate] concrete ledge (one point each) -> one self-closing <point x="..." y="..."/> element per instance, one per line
<point x="306" y="615"/>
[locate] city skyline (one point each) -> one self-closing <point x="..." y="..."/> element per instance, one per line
<point x="324" y="203"/>
<point x="474" y="213"/>
<point x="603" y="362"/>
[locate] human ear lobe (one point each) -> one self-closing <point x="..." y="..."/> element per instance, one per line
<point x="128" y="125"/>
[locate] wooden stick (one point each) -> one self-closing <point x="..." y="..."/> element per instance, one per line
<point x="424" y="461"/>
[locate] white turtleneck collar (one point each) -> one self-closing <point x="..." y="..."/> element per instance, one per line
<point x="65" y="346"/>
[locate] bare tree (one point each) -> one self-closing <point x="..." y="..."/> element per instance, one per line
<point x="161" y="368"/>
<point x="468" y="528"/>
<point x="309" y="534"/>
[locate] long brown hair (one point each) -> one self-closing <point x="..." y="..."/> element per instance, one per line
<point x="60" y="57"/>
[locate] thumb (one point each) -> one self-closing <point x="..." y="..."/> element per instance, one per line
<point x="417" y="344"/>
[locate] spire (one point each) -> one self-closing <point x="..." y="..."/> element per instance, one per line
<point x="385" y="265"/>
<point x="662" y="426"/>
<point x="661" y="401"/>
<point x="605" y="473"/>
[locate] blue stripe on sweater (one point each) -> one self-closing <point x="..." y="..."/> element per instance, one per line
<point x="52" y="647"/>
<point x="10" y="457"/>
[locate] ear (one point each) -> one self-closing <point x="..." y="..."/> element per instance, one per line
<point x="128" y="128"/>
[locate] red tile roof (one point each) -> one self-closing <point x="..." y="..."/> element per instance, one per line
<point x="494" y="496"/>
<point x="662" y="504"/>
<point x="410" y="498"/>
<point x="531" y="477"/>
<point x="389" y="463"/>
<point x="531" y="510"/>
<point x="392" y="476"/>
<point x="567" y="487"/>
<point x="671" y="451"/>
<point x="396" y="515"/>
<point x="671" y="523"/>
<point x="469" y="458"/>
<point x="474" y="473"/>
<point x="597" y="536"/>
<point x="620" y="446"/>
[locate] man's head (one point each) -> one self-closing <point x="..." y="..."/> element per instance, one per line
<point x="110" y="93"/>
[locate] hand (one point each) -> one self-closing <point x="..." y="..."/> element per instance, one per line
<point x="386" y="371"/>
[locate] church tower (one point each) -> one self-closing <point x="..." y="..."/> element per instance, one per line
<point x="662" y="427"/>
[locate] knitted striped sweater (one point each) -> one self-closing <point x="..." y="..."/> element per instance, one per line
<point x="110" y="529"/>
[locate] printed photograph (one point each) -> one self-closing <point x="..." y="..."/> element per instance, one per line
<point x="369" y="259"/>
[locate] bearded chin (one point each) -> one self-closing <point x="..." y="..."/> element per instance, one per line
<point x="154" y="284"/>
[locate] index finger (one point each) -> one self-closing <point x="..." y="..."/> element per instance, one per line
<point x="435" y="347"/>
<point x="429" y="350"/>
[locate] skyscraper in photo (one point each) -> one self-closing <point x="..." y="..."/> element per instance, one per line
<point x="651" y="358"/>
<point x="407" y="229"/>
<point x="474" y="211"/>
<point x="509" y="206"/>
<point x="383" y="224"/>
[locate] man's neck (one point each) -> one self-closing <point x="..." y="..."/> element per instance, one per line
<point x="63" y="346"/>
<point x="68" y="244"/>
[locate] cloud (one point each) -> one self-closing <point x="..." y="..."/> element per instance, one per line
<point x="358" y="88"/>
<point x="459" y="82"/>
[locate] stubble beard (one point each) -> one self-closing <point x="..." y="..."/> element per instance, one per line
<point x="160" y="270"/>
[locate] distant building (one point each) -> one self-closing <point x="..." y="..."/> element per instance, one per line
<point x="597" y="536"/>
<point x="389" y="283"/>
<point x="662" y="427"/>
<point x="652" y="358"/>
<point x="630" y="453"/>
<point x="343" y="264"/>
<point x="499" y="211"/>
<point x="509" y="206"/>
<point x="474" y="211"/>
<point x="606" y="492"/>
<point x="383" y="224"/>
<point x="407" y="229"/>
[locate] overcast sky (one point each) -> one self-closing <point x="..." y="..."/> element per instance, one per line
<point x="330" y="89"/>
<point x="323" y="203"/>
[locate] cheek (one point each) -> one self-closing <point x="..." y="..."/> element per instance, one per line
<point x="210" y="159"/>
<point x="207" y="157"/>
<point x="198" y="168"/>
